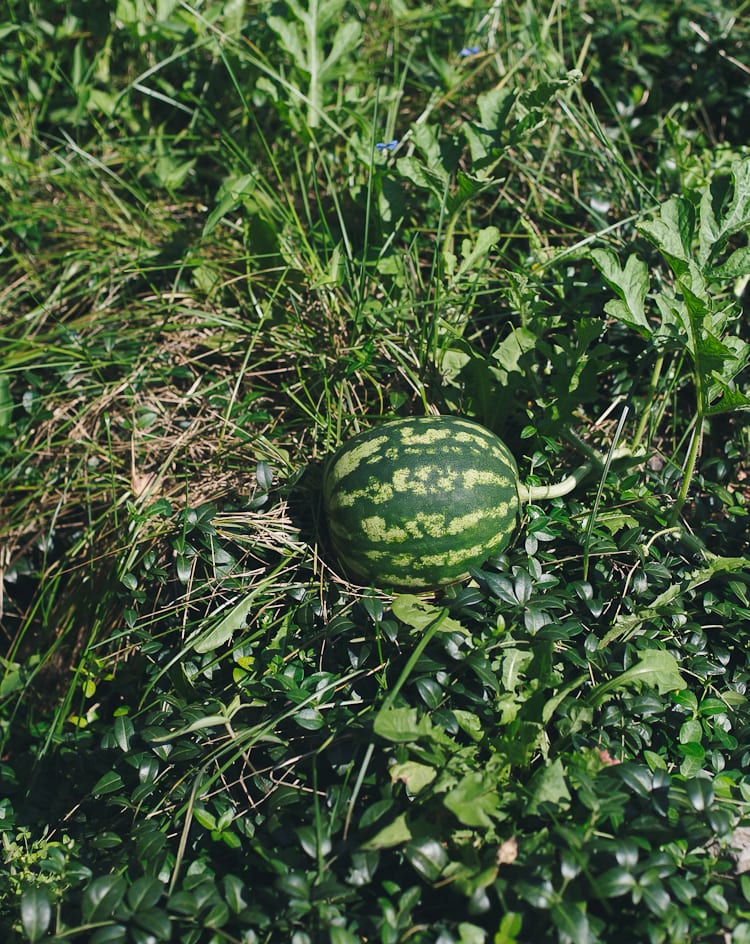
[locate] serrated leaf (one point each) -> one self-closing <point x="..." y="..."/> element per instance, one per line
<point x="715" y="231"/>
<point x="671" y="231"/>
<point x="549" y="787"/>
<point x="345" y="41"/>
<point x="427" y="179"/>
<point x="737" y="265"/>
<point x="474" y="253"/>
<point x="630" y="284"/>
<point x="475" y="801"/>
<point x="292" y="39"/>
<point x="656" y="668"/>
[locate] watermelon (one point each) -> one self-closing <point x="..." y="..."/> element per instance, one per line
<point x="414" y="503"/>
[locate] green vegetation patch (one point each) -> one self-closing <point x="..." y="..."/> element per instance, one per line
<point x="232" y="237"/>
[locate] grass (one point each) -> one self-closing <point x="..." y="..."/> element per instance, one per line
<point x="232" y="236"/>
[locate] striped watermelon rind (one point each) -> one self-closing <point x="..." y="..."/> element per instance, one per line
<point x="416" y="502"/>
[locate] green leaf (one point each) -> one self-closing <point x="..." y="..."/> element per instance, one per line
<point x="36" y="913"/>
<point x="614" y="882"/>
<point x="571" y="921"/>
<point x="715" y="229"/>
<point x="402" y="725"/>
<point x="419" y="614"/>
<point x="6" y="403"/>
<point x="671" y="231"/>
<point x="110" y="782"/>
<point x="225" y="629"/>
<point x="345" y="41"/>
<point x="549" y="787"/>
<point x="427" y="857"/>
<point x="228" y="199"/>
<point x="394" y="834"/>
<point x="124" y="731"/>
<point x="737" y="265"/>
<point x="630" y="284"/>
<point x="656" y="668"/>
<point x="413" y="775"/>
<point x="101" y="897"/>
<point x="700" y="792"/>
<point x="109" y="934"/>
<point x="144" y="893"/>
<point x="475" y="801"/>
<point x="422" y="176"/>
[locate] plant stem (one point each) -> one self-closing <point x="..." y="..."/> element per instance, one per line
<point x="645" y="416"/>
<point x="687" y="476"/>
<point x="543" y="492"/>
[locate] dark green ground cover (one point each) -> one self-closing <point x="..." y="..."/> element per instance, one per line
<point x="232" y="234"/>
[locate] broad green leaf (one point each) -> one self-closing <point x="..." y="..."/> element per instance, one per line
<point x="671" y="231"/>
<point x="111" y="782"/>
<point x="614" y="882"/>
<point x="571" y="921"/>
<point x="737" y="265"/>
<point x="656" y="668"/>
<point x="394" y="834"/>
<point x="549" y="787"/>
<point x="475" y="801"/>
<point x="474" y="253"/>
<point x="630" y="284"/>
<point x="413" y="775"/>
<point x="419" y="614"/>
<point x="225" y="629"/>
<point x="124" y="731"/>
<point x="36" y="913"/>
<point x="414" y="169"/>
<point x="101" y="897"/>
<point x="700" y="792"/>
<point x="345" y="41"/>
<point x="339" y="935"/>
<point x="144" y="893"/>
<point x="511" y="349"/>
<point x="228" y="199"/>
<point x="110" y="934"/>
<point x="427" y="857"/>
<point x="402" y="725"/>
<point x="714" y="231"/>
<point x="515" y="663"/>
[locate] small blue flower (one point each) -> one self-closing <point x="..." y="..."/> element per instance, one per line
<point x="389" y="146"/>
<point x="469" y="51"/>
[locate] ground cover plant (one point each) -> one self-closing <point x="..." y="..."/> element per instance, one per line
<point x="232" y="236"/>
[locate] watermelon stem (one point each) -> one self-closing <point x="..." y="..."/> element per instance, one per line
<point x="534" y="493"/>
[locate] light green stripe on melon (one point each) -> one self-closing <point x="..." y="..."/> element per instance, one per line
<point x="415" y="435"/>
<point x="355" y="456"/>
<point x="463" y="523"/>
